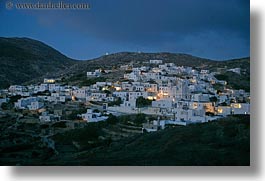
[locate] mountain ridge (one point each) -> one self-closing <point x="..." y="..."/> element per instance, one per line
<point x="24" y="58"/>
<point x="33" y="60"/>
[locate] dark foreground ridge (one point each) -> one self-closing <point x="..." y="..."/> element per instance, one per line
<point x="223" y="142"/>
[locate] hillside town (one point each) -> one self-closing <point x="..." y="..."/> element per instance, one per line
<point x="174" y="95"/>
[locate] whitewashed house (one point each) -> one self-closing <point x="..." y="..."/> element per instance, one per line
<point x="135" y="76"/>
<point x="163" y="103"/>
<point x="224" y="110"/>
<point x="139" y="88"/>
<point x="222" y="98"/>
<point x="23" y="103"/>
<point x="235" y="70"/>
<point x="80" y="93"/>
<point x="49" y="81"/>
<point x="149" y="87"/>
<point x="35" y="105"/>
<point x="56" y="97"/>
<point x="46" y="117"/>
<point x="123" y="95"/>
<point x="135" y="95"/>
<point x="129" y="105"/>
<point x="96" y="73"/>
<point x="200" y="97"/>
<point x="42" y="88"/>
<point x="152" y="75"/>
<point x="54" y="87"/>
<point x="205" y="72"/>
<point x="124" y="67"/>
<point x="17" y="88"/>
<point x="190" y="115"/>
<point x="103" y="84"/>
<point x="240" y="108"/>
<point x="156" y="61"/>
<point x="150" y="127"/>
<point x="96" y="96"/>
<point x="90" y="116"/>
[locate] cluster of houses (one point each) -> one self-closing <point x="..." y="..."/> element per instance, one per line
<point x="181" y="94"/>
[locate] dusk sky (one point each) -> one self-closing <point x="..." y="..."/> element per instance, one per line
<point x="214" y="29"/>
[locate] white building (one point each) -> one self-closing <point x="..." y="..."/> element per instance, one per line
<point x="135" y="95"/>
<point x="56" y="97"/>
<point x="150" y="127"/>
<point x="129" y="104"/>
<point x="41" y="88"/>
<point x="103" y="84"/>
<point x="200" y="97"/>
<point x="49" y="81"/>
<point x="17" y="88"/>
<point x="205" y="71"/>
<point x="150" y="87"/>
<point x="52" y="87"/>
<point x="80" y="93"/>
<point x="164" y="103"/>
<point x="46" y="117"/>
<point x="25" y="103"/>
<point x="96" y="96"/>
<point x="190" y="115"/>
<point x="156" y="61"/>
<point x="222" y="98"/>
<point x="240" y="108"/>
<point x="224" y="110"/>
<point x="35" y="105"/>
<point x="235" y="70"/>
<point x="123" y="95"/>
<point x="89" y="116"/>
<point x="96" y="73"/>
<point x="135" y="76"/>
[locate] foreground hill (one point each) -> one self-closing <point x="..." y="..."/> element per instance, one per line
<point x="219" y="143"/>
<point x="22" y="59"/>
<point x="226" y="142"/>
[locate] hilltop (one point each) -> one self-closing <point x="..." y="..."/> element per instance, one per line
<point x="22" y="59"/>
<point x="179" y="59"/>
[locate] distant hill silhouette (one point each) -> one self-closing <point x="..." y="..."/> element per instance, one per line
<point x="26" y="60"/>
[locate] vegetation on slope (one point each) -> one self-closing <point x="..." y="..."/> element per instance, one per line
<point x="23" y="59"/>
<point x="235" y="80"/>
<point x="223" y="142"/>
<point x="218" y="143"/>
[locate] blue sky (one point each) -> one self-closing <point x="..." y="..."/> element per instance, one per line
<point x="214" y="29"/>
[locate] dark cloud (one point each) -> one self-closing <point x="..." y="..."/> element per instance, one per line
<point x="216" y="29"/>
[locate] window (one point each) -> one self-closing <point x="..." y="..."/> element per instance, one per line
<point x="238" y="106"/>
<point x="220" y="110"/>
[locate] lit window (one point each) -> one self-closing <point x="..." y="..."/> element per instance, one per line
<point x="238" y="106"/>
<point x="220" y="110"/>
